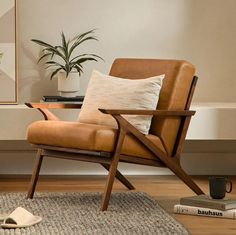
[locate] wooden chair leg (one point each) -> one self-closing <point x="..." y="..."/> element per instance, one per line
<point x="109" y="185"/>
<point x="35" y="174"/>
<point x="112" y="170"/>
<point x="120" y="177"/>
<point x="177" y="169"/>
<point x="189" y="182"/>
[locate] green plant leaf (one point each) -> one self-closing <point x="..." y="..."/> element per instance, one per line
<point x="57" y="52"/>
<point x="77" y="43"/>
<point x="74" y="66"/>
<point x="82" y="60"/>
<point x="43" y="56"/>
<point x="55" y="72"/>
<point x="54" y="64"/>
<point x="65" y="45"/>
<point x="80" y="36"/>
<point x="78" y="69"/>
<point x="68" y="68"/>
<point x="41" y="43"/>
<point x="52" y="55"/>
<point x="86" y="55"/>
<point x="62" y="50"/>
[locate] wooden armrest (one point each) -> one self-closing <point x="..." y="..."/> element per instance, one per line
<point x="43" y="108"/>
<point x="148" y="112"/>
<point x="54" y="105"/>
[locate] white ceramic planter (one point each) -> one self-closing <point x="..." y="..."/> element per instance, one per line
<point x="68" y="86"/>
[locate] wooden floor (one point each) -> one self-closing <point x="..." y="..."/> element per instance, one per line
<point x="166" y="189"/>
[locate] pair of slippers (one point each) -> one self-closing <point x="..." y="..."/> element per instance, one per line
<point x="19" y="218"/>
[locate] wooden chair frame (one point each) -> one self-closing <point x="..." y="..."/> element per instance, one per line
<point x="110" y="160"/>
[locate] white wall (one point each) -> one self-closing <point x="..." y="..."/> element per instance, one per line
<point x="201" y="31"/>
<point x="213" y="49"/>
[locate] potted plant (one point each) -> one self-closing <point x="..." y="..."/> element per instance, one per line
<point x="66" y="63"/>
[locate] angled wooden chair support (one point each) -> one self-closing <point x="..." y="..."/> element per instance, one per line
<point x="169" y="126"/>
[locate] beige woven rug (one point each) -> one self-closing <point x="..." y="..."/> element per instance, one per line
<point x="78" y="213"/>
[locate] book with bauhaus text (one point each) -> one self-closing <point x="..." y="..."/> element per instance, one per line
<point x="207" y="202"/>
<point x="191" y="210"/>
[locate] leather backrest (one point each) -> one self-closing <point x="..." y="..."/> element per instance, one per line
<point x="174" y="93"/>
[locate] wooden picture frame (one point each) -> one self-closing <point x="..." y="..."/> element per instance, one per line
<point x="8" y="52"/>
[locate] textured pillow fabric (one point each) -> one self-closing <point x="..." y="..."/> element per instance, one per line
<point x="110" y="92"/>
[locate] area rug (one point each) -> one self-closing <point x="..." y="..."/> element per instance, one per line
<point x="78" y="213"/>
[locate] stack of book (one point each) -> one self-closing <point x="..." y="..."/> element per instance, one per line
<point x="62" y="99"/>
<point x="204" y="205"/>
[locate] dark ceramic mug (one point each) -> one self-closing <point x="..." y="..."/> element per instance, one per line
<point x="218" y="186"/>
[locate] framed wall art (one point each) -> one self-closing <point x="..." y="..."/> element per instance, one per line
<point x="8" y="52"/>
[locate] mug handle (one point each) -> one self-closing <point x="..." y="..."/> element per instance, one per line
<point x="230" y="186"/>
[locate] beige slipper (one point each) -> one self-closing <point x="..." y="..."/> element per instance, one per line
<point x="20" y="218"/>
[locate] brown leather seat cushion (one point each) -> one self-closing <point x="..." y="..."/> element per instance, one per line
<point x="86" y="137"/>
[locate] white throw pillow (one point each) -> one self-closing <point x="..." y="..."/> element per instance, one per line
<point x="110" y="92"/>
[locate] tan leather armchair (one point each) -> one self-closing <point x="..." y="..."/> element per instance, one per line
<point x="108" y="146"/>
